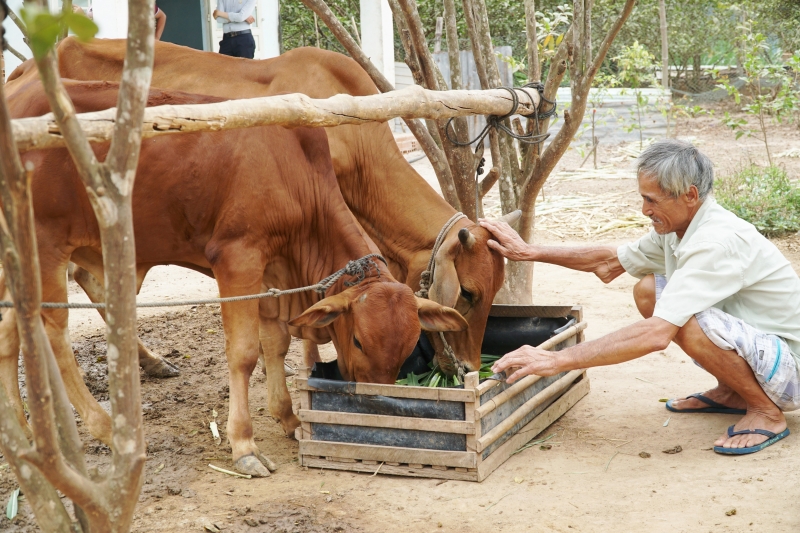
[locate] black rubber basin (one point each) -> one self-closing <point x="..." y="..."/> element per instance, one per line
<point x="503" y="335"/>
<point x="506" y="334"/>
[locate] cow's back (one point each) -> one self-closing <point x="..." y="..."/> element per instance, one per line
<point x="189" y="187"/>
<point x="314" y="72"/>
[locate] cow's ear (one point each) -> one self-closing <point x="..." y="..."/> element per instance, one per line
<point x="435" y="317"/>
<point x="322" y="313"/>
<point x="445" y="287"/>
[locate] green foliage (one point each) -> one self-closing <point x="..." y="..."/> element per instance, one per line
<point x="436" y="378"/>
<point x="297" y="24"/>
<point x="763" y="196"/>
<point x="636" y="66"/>
<point x="44" y="27"/>
<point x="772" y="94"/>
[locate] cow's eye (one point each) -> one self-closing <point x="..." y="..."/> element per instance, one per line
<point x="357" y="344"/>
<point x="466" y="294"/>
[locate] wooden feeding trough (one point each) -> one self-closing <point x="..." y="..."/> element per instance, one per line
<point x="457" y="433"/>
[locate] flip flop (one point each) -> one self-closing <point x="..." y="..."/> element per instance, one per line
<point x="772" y="438"/>
<point x="713" y="407"/>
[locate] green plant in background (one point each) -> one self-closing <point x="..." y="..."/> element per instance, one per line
<point x="687" y="111"/>
<point x="769" y="93"/>
<point x="763" y="196"/>
<point x="637" y="70"/>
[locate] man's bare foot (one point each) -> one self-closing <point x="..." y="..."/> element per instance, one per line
<point x="721" y="394"/>
<point x="772" y="420"/>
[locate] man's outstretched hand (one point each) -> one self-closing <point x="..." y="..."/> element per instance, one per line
<point x="507" y="242"/>
<point x="527" y="360"/>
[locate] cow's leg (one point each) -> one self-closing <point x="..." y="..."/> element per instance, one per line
<point x="275" y="339"/>
<point x="152" y="364"/>
<point x="238" y="271"/>
<point x="310" y="353"/>
<point x="54" y="289"/>
<point x="9" y="356"/>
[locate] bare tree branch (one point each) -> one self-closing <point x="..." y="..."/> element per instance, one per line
<point x="534" y="67"/>
<point x="453" y="52"/>
<point x="610" y="36"/>
<point x="21" y="25"/>
<point x="428" y="145"/>
<point x="15" y="53"/>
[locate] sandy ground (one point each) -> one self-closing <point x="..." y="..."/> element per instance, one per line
<point x="592" y="479"/>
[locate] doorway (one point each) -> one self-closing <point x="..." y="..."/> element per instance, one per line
<point x="185" y="22"/>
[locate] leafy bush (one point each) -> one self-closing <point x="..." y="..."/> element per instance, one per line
<point x="763" y="196"/>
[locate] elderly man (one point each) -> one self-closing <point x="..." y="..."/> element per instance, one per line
<point x="708" y="281"/>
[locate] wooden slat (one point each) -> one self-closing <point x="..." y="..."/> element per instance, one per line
<point x="577" y="312"/>
<point x="426" y="471"/>
<point x="388" y="454"/>
<point x="533" y="428"/>
<point x="517" y="388"/>
<point x="305" y="400"/>
<point x="402" y="391"/>
<point x="546" y="345"/>
<point x="386" y="421"/>
<point x="471" y="380"/>
<point x="500" y="429"/>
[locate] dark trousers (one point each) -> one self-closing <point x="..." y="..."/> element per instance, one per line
<point x="238" y="46"/>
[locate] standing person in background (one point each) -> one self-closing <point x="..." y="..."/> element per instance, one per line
<point x="236" y="17"/>
<point x="161" y="23"/>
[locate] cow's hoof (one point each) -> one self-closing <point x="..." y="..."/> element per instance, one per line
<point x="269" y="463"/>
<point x="161" y="369"/>
<point x="250" y="464"/>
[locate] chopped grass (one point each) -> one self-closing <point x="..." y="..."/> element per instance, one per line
<point x="436" y="378"/>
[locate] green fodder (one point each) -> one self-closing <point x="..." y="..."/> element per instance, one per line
<point x="436" y="378"/>
<point x="763" y="196"/>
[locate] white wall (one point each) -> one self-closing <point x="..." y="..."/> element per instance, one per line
<point x="377" y="35"/>
<point x="111" y="16"/>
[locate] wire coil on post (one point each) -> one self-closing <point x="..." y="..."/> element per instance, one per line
<point x="496" y="121"/>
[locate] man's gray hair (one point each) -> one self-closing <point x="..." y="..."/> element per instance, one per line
<point x="676" y="166"/>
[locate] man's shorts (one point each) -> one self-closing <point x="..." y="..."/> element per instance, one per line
<point x="768" y="355"/>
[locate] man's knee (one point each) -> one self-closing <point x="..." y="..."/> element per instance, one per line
<point x="644" y="294"/>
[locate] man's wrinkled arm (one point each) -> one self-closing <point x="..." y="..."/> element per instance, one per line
<point x="631" y="342"/>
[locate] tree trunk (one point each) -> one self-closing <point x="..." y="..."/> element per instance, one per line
<point x="662" y="15"/>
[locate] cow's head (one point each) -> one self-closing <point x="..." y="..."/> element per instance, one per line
<point x="467" y="276"/>
<point x="375" y="326"/>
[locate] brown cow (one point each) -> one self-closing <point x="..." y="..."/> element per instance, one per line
<point x="256" y="208"/>
<point x="396" y="207"/>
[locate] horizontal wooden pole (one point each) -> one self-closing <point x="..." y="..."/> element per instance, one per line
<point x="401" y="391"/>
<point x="388" y="454"/>
<point x="500" y="429"/>
<point x="385" y="421"/>
<point x="527" y="381"/>
<point x="291" y="110"/>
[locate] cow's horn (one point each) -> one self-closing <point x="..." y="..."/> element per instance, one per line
<point x="512" y="218"/>
<point x="467" y="239"/>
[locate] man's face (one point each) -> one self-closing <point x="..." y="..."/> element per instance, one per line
<point x="669" y="214"/>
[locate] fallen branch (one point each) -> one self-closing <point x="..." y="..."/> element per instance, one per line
<point x="291" y="110"/>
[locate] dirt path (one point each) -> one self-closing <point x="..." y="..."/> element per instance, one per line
<point x="592" y="479"/>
